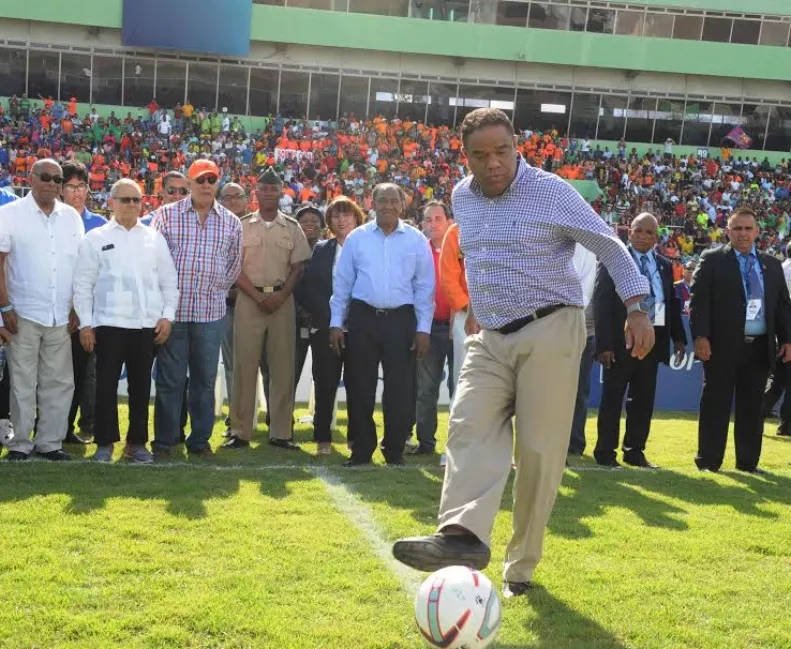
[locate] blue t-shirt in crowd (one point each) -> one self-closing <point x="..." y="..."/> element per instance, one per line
<point x="91" y="220"/>
<point x="7" y="196"/>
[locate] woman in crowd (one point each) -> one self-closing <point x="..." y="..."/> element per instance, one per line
<point x="343" y="215"/>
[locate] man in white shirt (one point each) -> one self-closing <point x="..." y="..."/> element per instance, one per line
<point x="125" y="293"/>
<point x="780" y="381"/>
<point x="585" y="264"/>
<point x="39" y="243"/>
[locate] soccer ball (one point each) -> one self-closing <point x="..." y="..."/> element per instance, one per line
<point x="458" y="608"/>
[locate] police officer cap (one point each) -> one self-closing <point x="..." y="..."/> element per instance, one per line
<point x="269" y="177"/>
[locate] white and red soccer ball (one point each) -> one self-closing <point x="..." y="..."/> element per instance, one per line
<point x="458" y="608"/>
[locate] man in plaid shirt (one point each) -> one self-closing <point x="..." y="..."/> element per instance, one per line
<point x="205" y="240"/>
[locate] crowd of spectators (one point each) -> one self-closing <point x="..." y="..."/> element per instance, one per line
<point x="320" y="161"/>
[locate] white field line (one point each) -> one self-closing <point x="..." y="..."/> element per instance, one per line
<point x="362" y="517"/>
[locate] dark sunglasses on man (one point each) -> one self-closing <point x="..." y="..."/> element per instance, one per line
<point x="172" y="191"/>
<point x="206" y="179"/>
<point x="45" y="177"/>
<point x="129" y="199"/>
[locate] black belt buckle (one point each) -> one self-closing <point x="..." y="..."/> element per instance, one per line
<point x="516" y="325"/>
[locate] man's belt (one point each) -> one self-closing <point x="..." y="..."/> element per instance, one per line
<point x="269" y="289"/>
<point x="382" y="312"/>
<point x="516" y="325"/>
<point x="440" y="322"/>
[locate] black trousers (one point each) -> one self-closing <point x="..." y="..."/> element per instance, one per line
<point x="84" y="397"/>
<point x="778" y="386"/>
<point x="5" y="394"/>
<point x="327" y="370"/>
<point x="375" y="339"/>
<point x="639" y="376"/>
<point x="114" y="348"/>
<point x="742" y="371"/>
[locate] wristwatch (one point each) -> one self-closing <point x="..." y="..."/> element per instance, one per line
<point x="640" y="306"/>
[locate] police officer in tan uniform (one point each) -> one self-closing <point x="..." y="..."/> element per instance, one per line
<point x="274" y="253"/>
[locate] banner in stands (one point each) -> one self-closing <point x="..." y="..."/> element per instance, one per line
<point x="678" y="387"/>
<point x="286" y="155"/>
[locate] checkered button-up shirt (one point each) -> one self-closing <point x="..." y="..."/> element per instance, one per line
<point x="518" y="247"/>
<point x="208" y="257"/>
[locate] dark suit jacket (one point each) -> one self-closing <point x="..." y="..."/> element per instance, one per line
<point x="610" y="314"/>
<point x="315" y="287"/>
<point x="718" y="305"/>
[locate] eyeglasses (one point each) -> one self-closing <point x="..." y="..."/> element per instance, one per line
<point x="76" y="188"/>
<point x="126" y="200"/>
<point x="228" y="197"/>
<point x="45" y="177"/>
<point x="172" y="191"/>
<point x="206" y="179"/>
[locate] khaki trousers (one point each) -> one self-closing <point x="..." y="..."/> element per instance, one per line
<point x="39" y="360"/>
<point x="252" y="329"/>
<point x="531" y="375"/>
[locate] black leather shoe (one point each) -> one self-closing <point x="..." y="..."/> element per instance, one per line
<point x="399" y="461"/>
<point x="516" y="588"/>
<point x="430" y="553"/>
<point x="55" y="456"/>
<point x="16" y="456"/>
<point x="284" y="443"/>
<point x="235" y="442"/>
<point x="639" y="460"/>
<point x="783" y="432"/>
<point x="708" y="469"/>
<point x="609" y="464"/>
<point x="227" y="433"/>
<point x="421" y="450"/>
<point x="352" y="462"/>
<point x="73" y="438"/>
<point x="754" y="471"/>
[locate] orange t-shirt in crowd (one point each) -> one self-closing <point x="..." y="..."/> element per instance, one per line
<point x="452" y="280"/>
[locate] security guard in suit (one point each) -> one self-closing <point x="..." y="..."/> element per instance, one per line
<point x="275" y="251"/>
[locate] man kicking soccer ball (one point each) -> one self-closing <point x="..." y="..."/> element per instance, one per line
<point x="518" y="228"/>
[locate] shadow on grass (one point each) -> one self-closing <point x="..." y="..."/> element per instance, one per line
<point x="644" y="494"/>
<point x="183" y="490"/>
<point x="556" y="624"/>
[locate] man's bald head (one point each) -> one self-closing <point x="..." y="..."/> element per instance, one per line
<point x="46" y="178"/>
<point x="46" y="165"/>
<point x="644" y="232"/>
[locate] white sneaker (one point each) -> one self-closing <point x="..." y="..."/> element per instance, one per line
<point x="6" y="431"/>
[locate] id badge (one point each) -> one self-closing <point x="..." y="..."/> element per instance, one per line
<point x="304" y="333"/>
<point x="659" y="314"/>
<point x="753" y="308"/>
<point x="686" y="305"/>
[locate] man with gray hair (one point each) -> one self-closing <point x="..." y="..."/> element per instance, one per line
<point x="126" y="294"/>
<point x="234" y="198"/>
<point x="383" y="292"/>
<point x="39" y="243"/>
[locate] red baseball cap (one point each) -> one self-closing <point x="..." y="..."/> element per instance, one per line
<point x="201" y="168"/>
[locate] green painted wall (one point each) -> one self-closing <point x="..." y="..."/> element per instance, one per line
<point x="358" y="31"/>
<point x="771" y="7"/>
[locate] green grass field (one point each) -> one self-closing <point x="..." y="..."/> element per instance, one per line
<point x="286" y="550"/>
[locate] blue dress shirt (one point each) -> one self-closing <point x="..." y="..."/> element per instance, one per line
<point x="755" y="327"/>
<point x="653" y="270"/>
<point x="385" y="271"/>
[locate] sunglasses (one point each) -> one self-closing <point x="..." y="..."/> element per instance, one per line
<point x="48" y="178"/>
<point x="206" y="179"/>
<point x="172" y="191"/>
<point x="126" y="200"/>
